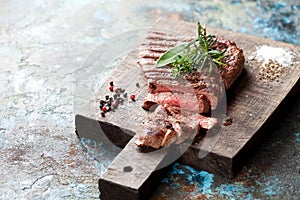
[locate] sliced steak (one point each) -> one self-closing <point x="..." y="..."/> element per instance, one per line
<point x="155" y="129"/>
<point x="180" y="102"/>
<point x="164" y="127"/>
<point x="188" y="101"/>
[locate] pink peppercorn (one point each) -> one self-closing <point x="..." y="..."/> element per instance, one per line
<point x="132" y="97"/>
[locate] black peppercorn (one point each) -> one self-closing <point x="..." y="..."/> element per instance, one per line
<point x="102" y="114"/>
<point x="107" y="97"/>
<point x="111" y="83"/>
<point x="117" y="90"/>
<point x="115" y="96"/>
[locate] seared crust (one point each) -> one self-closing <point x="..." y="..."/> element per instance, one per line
<point x="235" y="60"/>
<point x="157" y="44"/>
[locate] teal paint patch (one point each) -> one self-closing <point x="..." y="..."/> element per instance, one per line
<point x="297" y="137"/>
<point x="269" y="190"/>
<point x="202" y="180"/>
<point x="175" y="185"/>
<point x="165" y="180"/>
<point x="176" y="170"/>
<point x="234" y="191"/>
<point x="189" y="182"/>
<point x="272" y="187"/>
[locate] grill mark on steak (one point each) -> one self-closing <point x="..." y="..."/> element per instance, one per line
<point x="161" y="42"/>
<point x="167" y="82"/>
<point x="178" y="103"/>
<point x="153" y="48"/>
<point x="164" y="76"/>
<point x="171" y="85"/>
<point x="163" y="37"/>
<point x="148" y="67"/>
<point x="156" y="44"/>
<point x="151" y="54"/>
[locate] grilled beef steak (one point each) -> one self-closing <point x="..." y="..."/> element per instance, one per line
<point x="181" y="101"/>
<point x="164" y="127"/>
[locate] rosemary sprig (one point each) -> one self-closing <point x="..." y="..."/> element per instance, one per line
<point x="194" y="55"/>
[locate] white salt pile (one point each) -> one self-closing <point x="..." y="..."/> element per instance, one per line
<point x="267" y="53"/>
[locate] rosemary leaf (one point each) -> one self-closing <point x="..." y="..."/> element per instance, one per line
<point x="172" y="55"/>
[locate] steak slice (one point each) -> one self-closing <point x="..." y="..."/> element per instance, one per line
<point x="200" y="104"/>
<point x="180" y="102"/>
<point x="164" y="127"/>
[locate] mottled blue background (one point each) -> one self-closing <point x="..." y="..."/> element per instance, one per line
<point x="43" y="44"/>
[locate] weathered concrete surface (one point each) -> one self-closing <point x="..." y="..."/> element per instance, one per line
<point x="42" y="45"/>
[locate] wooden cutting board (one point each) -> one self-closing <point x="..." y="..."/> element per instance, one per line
<point x="251" y="105"/>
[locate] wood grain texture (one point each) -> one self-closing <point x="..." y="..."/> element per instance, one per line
<point x="133" y="174"/>
<point x="251" y="103"/>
